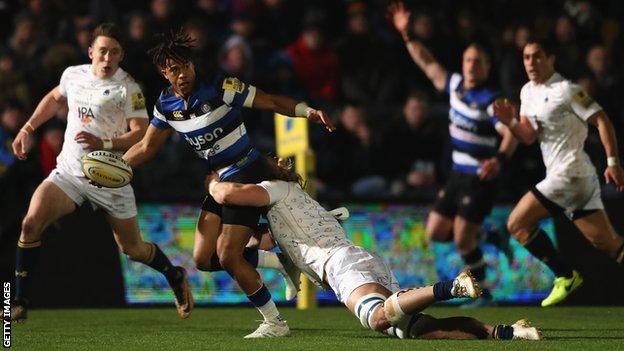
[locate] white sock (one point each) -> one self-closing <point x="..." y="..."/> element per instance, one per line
<point x="268" y="259"/>
<point x="269" y="312"/>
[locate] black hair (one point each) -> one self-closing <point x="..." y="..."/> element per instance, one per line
<point x="175" y="45"/>
<point x="546" y="46"/>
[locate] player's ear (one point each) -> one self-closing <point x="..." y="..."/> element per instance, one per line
<point x="90" y="51"/>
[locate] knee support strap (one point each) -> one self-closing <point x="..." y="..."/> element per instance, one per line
<point x="365" y="306"/>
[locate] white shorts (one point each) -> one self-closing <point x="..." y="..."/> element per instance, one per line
<point x="119" y="202"/>
<point x="352" y="266"/>
<point x="572" y="193"/>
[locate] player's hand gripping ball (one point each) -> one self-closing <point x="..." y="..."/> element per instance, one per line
<point x="106" y="169"/>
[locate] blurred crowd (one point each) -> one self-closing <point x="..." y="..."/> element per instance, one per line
<point x="339" y="55"/>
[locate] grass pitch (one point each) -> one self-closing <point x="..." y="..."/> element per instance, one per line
<point x="326" y="328"/>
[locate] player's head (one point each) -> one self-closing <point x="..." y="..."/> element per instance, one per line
<point x="106" y="50"/>
<point x="173" y="57"/>
<point x="475" y="65"/>
<point x="539" y="61"/>
<point x="283" y="169"/>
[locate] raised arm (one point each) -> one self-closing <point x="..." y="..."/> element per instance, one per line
<point x="419" y="52"/>
<point x="147" y="148"/>
<point x="289" y="107"/>
<point x="613" y="172"/>
<point x="505" y="111"/>
<point x="46" y="109"/>
<point x="228" y="193"/>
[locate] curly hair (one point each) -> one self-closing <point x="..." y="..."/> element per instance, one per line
<point x="175" y="45"/>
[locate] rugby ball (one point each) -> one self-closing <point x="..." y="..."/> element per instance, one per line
<point x="106" y="169"/>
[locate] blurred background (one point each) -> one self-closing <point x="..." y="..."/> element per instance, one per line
<point x="387" y="159"/>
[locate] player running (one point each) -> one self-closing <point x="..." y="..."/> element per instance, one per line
<point x="206" y="111"/>
<point x="467" y="197"/>
<point x="556" y="112"/>
<point x="315" y="241"/>
<point x="104" y="102"/>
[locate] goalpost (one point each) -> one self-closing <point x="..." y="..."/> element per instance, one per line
<point x="291" y="137"/>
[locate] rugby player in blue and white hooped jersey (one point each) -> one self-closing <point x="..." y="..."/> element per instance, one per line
<point x="207" y="113"/>
<point x="556" y="112"/>
<point x="468" y="194"/>
<point x="106" y="111"/>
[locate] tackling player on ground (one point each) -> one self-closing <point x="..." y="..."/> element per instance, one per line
<point x="315" y="241"/>
<point x="555" y="112"/>
<point x="104" y="102"/>
<point x="206" y="111"/>
<point x="467" y="197"/>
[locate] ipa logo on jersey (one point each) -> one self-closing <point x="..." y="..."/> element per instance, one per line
<point x="85" y="114"/>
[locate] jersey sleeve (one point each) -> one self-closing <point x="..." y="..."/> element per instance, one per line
<point x="277" y="189"/>
<point x="135" y="102"/>
<point x="495" y="122"/>
<point x="581" y="103"/>
<point x="237" y="93"/>
<point x="159" y="121"/>
<point x="63" y="82"/>
<point x="452" y="82"/>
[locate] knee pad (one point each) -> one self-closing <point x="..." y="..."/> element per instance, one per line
<point x="392" y="309"/>
<point x="365" y="306"/>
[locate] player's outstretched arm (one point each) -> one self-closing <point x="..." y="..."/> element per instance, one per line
<point x="147" y="148"/>
<point x="46" y="109"/>
<point x="419" y="52"/>
<point x="228" y="193"/>
<point x="613" y="173"/>
<point x="505" y="111"/>
<point x="289" y="107"/>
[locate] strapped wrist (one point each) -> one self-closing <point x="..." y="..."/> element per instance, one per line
<point x="512" y="123"/>
<point x="612" y="161"/>
<point x="107" y="144"/>
<point x="303" y="110"/>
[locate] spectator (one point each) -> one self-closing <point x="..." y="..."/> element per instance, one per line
<point x="414" y="146"/>
<point x="315" y="62"/>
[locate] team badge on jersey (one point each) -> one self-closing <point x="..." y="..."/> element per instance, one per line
<point x="583" y="99"/>
<point x="138" y="101"/>
<point x="205" y="107"/>
<point x="178" y="115"/>
<point x="233" y="84"/>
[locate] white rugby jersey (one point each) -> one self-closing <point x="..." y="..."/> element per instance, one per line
<point x="558" y="110"/>
<point x="302" y="228"/>
<point x="98" y="106"/>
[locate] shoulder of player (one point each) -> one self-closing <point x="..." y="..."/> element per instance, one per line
<point x="77" y="70"/>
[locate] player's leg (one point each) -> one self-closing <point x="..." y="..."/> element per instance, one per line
<point x="48" y="204"/>
<point x="209" y="227"/>
<point x="440" y="220"/>
<point x="522" y="224"/>
<point x="399" y="314"/>
<point x="230" y="247"/>
<point x="474" y="203"/>
<point x="597" y="228"/>
<point x="465" y="236"/>
<point x="439" y="227"/>
<point x="128" y="238"/>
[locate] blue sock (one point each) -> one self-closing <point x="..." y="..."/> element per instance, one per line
<point x="442" y="290"/>
<point x="502" y="332"/>
<point x="26" y="258"/>
<point x="260" y="297"/>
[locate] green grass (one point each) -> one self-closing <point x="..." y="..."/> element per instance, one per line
<point x="325" y="329"/>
